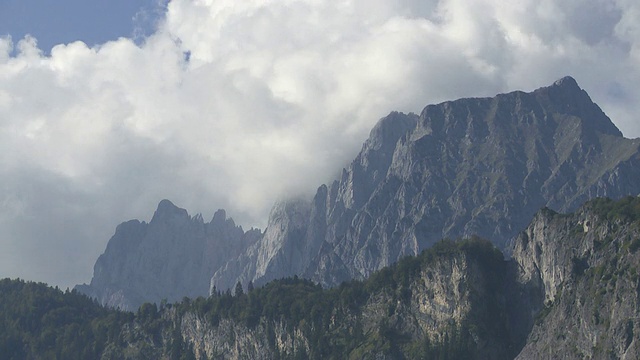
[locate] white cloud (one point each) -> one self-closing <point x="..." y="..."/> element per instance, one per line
<point x="233" y="104"/>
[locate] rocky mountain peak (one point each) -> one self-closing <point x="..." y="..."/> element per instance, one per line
<point x="219" y="217"/>
<point x="567" y="82"/>
<point x="480" y="166"/>
<point x="167" y="211"/>
<point x="389" y="129"/>
<point x="172" y="256"/>
<point x="568" y="99"/>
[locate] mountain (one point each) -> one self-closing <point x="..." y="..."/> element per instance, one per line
<point x="568" y="291"/>
<point x="584" y="268"/>
<point x="172" y="256"/>
<point x="446" y="302"/>
<point x="479" y="166"/>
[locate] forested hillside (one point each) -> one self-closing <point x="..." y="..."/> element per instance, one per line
<point x="456" y="300"/>
<point x="287" y="318"/>
<point x="39" y="322"/>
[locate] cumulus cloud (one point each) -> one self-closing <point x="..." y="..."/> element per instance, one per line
<point x="234" y="104"/>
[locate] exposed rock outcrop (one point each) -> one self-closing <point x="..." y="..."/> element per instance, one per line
<point x="172" y="256"/>
<point x="467" y="167"/>
<point x="586" y="266"/>
<point x="570" y="290"/>
<point x="448" y="302"/>
<point x="480" y="166"/>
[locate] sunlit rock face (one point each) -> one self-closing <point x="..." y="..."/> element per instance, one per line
<point x="583" y="268"/>
<point x="480" y="166"/>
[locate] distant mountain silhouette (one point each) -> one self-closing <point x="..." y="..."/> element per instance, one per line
<point x="479" y="166"/>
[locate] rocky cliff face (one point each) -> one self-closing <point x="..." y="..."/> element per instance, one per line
<point x="471" y="166"/>
<point x="448" y="302"/>
<point x="231" y="340"/>
<point x="479" y="166"/>
<point x="278" y="251"/>
<point x="456" y="291"/>
<point x="586" y="266"/>
<point x="569" y="291"/>
<point x="172" y="256"/>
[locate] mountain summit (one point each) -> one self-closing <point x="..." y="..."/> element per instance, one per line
<point x="172" y="256"/>
<point x="478" y="166"/>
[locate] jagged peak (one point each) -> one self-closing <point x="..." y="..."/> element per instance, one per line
<point x="570" y="98"/>
<point x="567" y="82"/>
<point x="167" y="209"/>
<point x="198" y="218"/>
<point x="566" y="85"/>
<point x="563" y="97"/>
<point x="220" y="216"/>
<point x="286" y="207"/>
<point x="389" y="129"/>
<point x="166" y="204"/>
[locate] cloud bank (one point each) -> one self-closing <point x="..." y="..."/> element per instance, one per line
<point x="235" y="104"/>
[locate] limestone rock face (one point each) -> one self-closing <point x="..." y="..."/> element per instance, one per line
<point x="278" y="253"/>
<point x="231" y="340"/>
<point x="568" y="291"/>
<point x="480" y="166"/>
<point x="449" y="301"/>
<point x="585" y="265"/>
<point x="172" y="256"/>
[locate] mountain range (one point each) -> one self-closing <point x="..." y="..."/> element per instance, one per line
<point x="569" y="290"/>
<point x="479" y="166"/>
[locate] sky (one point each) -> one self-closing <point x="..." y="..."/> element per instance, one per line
<point x="108" y="107"/>
<point x="93" y="22"/>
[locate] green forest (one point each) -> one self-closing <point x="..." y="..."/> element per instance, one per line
<point x="40" y="322"/>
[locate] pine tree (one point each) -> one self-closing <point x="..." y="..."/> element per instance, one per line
<point x="239" y="291"/>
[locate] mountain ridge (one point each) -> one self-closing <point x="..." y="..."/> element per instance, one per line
<point x="569" y="291"/>
<point x="477" y="166"/>
<point x="461" y="168"/>
<point x="170" y="257"/>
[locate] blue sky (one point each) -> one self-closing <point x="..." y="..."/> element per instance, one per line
<point x="274" y="99"/>
<point x="94" y="22"/>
